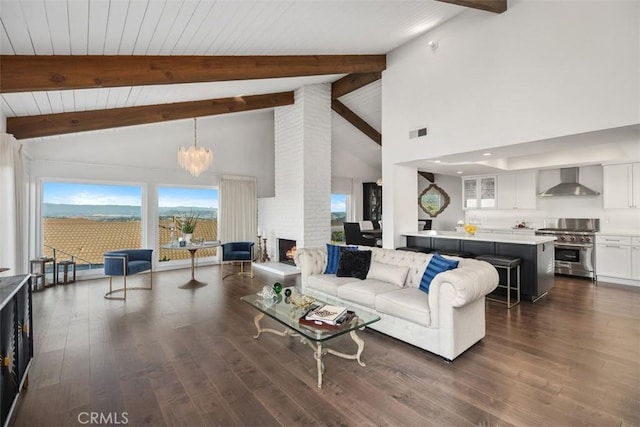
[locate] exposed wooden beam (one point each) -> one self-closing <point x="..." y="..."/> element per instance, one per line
<point x="20" y="73"/>
<point x="62" y="123"/>
<point x="352" y="82"/>
<point x="496" y="6"/>
<point x="355" y="120"/>
<point x="427" y="175"/>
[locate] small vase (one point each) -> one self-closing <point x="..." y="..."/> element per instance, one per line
<point x="187" y="238"/>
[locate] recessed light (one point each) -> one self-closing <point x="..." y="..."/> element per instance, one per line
<point x="460" y="172"/>
<point x="486" y="154"/>
<point x="436" y="161"/>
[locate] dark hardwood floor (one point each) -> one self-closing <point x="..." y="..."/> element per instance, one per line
<point x="188" y="357"/>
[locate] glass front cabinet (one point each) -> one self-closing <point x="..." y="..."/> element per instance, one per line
<point x="371" y="201"/>
<point x="479" y="192"/>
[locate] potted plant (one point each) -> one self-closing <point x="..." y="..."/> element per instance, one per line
<point x="187" y="224"/>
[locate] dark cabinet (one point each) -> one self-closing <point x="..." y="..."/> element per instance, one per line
<point x="16" y="339"/>
<point x="371" y="201"/>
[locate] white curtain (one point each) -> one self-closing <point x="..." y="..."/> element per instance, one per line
<point x="13" y="207"/>
<point x="238" y="209"/>
<point x="355" y="209"/>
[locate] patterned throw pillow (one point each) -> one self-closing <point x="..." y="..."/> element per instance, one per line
<point x="333" y="256"/>
<point x="354" y="263"/>
<point x="438" y="264"/>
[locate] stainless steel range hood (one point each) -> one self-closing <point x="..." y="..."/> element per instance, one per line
<point x="569" y="185"/>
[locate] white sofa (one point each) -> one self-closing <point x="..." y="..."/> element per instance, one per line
<point x="446" y="321"/>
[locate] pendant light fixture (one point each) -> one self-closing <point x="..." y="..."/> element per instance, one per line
<point x="195" y="159"/>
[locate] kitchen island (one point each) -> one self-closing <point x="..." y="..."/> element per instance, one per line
<point x="536" y="253"/>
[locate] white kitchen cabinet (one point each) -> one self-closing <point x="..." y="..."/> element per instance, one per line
<point x="479" y="192"/>
<point x="517" y="191"/>
<point x="621" y="186"/>
<point x="635" y="258"/>
<point x="613" y="256"/>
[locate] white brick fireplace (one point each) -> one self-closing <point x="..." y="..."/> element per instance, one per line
<point x="301" y="208"/>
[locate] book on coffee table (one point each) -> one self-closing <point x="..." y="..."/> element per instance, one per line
<point x="343" y="320"/>
<point x="327" y="314"/>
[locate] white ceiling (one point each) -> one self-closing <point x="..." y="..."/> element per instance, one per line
<point x="208" y="27"/>
<point x="264" y="27"/>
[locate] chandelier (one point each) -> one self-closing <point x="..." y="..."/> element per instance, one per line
<point x="193" y="159"/>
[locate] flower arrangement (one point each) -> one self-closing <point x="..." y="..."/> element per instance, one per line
<point x="470" y="229"/>
<point x="187" y="222"/>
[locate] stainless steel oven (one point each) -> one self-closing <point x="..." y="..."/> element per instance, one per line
<point x="575" y="259"/>
<point x="575" y="250"/>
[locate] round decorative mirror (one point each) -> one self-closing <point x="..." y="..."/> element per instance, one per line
<point x="433" y="200"/>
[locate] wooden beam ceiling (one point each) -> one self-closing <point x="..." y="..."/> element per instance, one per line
<point x="352" y="82"/>
<point x="346" y="85"/>
<point x="62" y="123"/>
<point x="21" y="73"/>
<point x="496" y="6"/>
<point x="356" y="121"/>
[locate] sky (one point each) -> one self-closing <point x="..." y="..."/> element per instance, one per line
<point x="124" y="195"/>
<point x="338" y="203"/>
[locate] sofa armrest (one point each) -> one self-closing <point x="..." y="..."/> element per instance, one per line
<point x="471" y="281"/>
<point x="311" y="261"/>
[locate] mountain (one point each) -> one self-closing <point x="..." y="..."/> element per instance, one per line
<point x="118" y="212"/>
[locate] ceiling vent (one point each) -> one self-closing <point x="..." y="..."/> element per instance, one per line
<point x="569" y="185"/>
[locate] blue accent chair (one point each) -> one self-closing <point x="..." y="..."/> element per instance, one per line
<point x="126" y="262"/>
<point x="241" y="252"/>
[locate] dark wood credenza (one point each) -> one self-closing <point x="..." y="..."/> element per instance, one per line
<point x="16" y="340"/>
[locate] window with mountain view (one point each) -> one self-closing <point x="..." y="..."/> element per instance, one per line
<point x="174" y="203"/>
<point x="82" y="221"/>
<point x="338" y="216"/>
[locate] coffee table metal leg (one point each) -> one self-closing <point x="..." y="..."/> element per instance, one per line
<point x="318" y="351"/>
<point x="318" y="356"/>
<point x="359" y="342"/>
<point x="256" y="321"/>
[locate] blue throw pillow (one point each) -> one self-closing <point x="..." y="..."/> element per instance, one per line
<point x="333" y="257"/>
<point x="438" y="264"/>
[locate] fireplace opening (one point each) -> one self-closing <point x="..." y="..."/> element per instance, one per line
<point x="286" y="251"/>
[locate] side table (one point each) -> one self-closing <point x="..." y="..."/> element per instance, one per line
<point x="68" y="268"/>
<point x="38" y="267"/>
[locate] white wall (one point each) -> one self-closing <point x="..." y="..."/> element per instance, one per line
<point x="3" y="123"/>
<point x="539" y="70"/>
<point x="301" y="208"/>
<point x="242" y="144"/>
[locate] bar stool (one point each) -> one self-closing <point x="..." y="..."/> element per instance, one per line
<point x="66" y="265"/>
<point x="506" y="263"/>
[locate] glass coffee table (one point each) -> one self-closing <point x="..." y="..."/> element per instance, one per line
<point x="284" y="312"/>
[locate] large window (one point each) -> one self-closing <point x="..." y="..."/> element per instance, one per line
<point x="338" y="216"/>
<point x="176" y="202"/>
<point x="82" y="221"/>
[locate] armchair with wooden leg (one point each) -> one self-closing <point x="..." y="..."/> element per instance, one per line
<point x="127" y="262"/>
<point x="237" y="252"/>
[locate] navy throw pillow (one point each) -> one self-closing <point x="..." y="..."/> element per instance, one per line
<point x="354" y="263"/>
<point x="333" y="256"/>
<point x="438" y="264"/>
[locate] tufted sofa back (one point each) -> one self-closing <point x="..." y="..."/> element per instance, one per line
<point x="416" y="261"/>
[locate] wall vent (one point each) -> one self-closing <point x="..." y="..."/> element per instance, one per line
<point x="417" y="133"/>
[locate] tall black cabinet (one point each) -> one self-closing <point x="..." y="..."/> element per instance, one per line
<point x="16" y="340"/>
<point x="371" y="201"/>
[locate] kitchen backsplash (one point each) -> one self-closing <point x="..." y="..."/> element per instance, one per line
<point x="560" y="207"/>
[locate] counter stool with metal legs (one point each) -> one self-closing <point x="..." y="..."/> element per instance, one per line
<point x="506" y="263"/>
